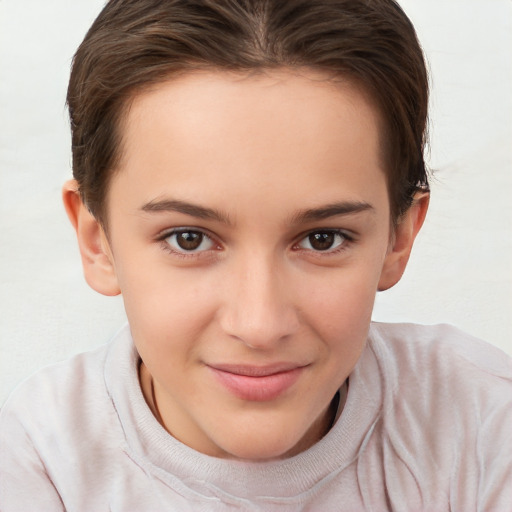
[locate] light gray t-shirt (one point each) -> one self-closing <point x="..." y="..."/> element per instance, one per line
<point x="427" y="426"/>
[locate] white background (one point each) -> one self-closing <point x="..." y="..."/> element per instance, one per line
<point x="461" y="268"/>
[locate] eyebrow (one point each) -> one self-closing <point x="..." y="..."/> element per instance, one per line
<point x="332" y="210"/>
<point x="194" y="210"/>
<point x="308" y="215"/>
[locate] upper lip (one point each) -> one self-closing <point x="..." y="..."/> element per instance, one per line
<point x="248" y="370"/>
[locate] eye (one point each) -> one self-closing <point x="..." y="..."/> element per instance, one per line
<point x="323" y="241"/>
<point x="188" y="241"/>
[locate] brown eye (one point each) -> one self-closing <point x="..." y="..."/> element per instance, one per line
<point x="322" y="241"/>
<point x="189" y="241"/>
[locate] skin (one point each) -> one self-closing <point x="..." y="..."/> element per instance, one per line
<point x="251" y="166"/>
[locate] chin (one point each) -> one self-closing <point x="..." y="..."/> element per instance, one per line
<point x="262" y="446"/>
<point x="267" y="437"/>
<point x="260" y="453"/>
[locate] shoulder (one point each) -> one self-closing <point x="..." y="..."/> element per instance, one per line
<point x="55" y="385"/>
<point x="442" y="368"/>
<point x="60" y="425"/>
<point x="444" y="380"/>
<point x="57" y="425"/>
<point x="63" y="397"/>
<point x="439" y="348"/>
<point x="447" y="410"/>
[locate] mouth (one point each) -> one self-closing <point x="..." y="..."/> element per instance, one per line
<point x="257" y="383"/>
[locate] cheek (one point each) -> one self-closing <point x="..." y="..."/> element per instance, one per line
<point x="167" y="308"/>
<point x="340" y="307"/>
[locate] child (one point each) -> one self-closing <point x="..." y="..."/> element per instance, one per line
<point x="248" y="174"/>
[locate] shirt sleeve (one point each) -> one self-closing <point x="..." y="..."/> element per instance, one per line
<point x="24" y="482"/>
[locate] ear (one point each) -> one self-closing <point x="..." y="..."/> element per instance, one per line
<point x="97" y="260"/>
<point x="402" y="241"/>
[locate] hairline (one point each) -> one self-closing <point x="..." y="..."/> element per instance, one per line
<point x="131" y="95"/>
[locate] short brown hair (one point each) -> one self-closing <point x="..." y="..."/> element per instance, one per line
<point x="134" y="43"/>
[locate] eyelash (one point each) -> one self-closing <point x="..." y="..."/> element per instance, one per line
<point x="184" y="253"/>
<point x="347" y="240"/>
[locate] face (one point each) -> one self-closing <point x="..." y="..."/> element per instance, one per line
<point x="249" y="230"/>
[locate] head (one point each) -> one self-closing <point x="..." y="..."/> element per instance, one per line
<point x="247" y="174"/>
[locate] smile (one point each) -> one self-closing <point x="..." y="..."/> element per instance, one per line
<point x="256" y="383"/>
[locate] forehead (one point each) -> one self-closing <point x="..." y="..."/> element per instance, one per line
<point x="215" y="133"/>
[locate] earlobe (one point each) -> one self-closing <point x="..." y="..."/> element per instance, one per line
<point x="97" y="260"/>
<point x="403" y="240"/>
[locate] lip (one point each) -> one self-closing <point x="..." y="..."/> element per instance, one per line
<point x="257" y="383"/>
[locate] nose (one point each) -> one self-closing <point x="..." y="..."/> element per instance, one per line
<point x="258" y="309"/>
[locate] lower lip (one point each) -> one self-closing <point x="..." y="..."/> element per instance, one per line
<point x="258" y="389"/>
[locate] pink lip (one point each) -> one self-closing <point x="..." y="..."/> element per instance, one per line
<point x="257" y="383"/>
